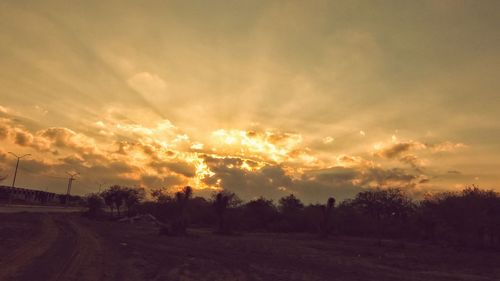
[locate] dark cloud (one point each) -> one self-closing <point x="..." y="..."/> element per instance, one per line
<point x="342" y="182"/>
<point x="340" y="175"/>
<point x="3" y="155"/>
<point x="272" y="181"/>
<point x="122" y="167"/>
<point x="179" y="167"/>
<point x="66" y="138"/>
<point x="317" y="186"/>
<point x="426" y="180"/>
<point x="396" y="150"/>
<point x="395" y="177"/>
<point x="155" y="181"/>
<point x="123" y="147"/>
<point x="277" y="175"/>
<point x="72" y="160"/>
<point x="348" y="159"/>
<point x="149" y="149"/>
<point x="4" y="131"/>
<point x="23" y="138"/>
<point x="411" y="160"/>
<point x="268" y="181"/>
<point x="20" y="135"/>
<point x="35" y="166"/>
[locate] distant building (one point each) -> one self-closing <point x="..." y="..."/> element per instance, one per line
<point x="29" y="195"/>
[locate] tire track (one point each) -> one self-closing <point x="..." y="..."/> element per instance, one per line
<point x="75" y="254"/>
<point x="31" y="249"/>
<point x="86" y="259"/>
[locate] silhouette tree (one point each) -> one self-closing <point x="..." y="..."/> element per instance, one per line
<point x="290" y="204"/>
<point x="132" y="197"/>
<point x="160" y="195"/>
<point x="200" y="212"/>
<point x="324" y="226"/>
<point x="180" y="223"/>
<point x="94" y="204"/>
<point x="220" y="204"/>
<point x="260" y="214"/>
<point x="115" y="196"/>
<point x="388" y="209"/>
<point x="291" y="209"/>
<point x="467" y="218"/>
<point x="108" y="197"/>
<point x="118" y="197"/>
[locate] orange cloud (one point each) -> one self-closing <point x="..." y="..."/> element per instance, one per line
<point x="447" y="146"/>
<point x="251" y="162"/>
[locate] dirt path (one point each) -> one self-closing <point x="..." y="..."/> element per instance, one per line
<point x="25" y="252"/>
<point x="67" y="251"/>
<point x="85" y="258"/>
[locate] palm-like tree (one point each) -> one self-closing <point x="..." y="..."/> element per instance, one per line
<point x="179" y="226"/>
<point x="221" y="203"/>
<point x="324" y="226"/>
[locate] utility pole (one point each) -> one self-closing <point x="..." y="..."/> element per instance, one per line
<point x="15" y="173"/>
<point x="70" y="182"/>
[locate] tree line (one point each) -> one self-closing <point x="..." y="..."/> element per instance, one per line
<point x="470" y="217"/>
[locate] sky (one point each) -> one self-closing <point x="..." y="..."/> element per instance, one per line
<point x="262" y="98"/>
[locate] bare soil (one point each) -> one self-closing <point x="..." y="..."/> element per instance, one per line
<point x="70" y="247"/>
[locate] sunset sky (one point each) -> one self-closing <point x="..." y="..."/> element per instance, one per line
<point x="315" y="98"/>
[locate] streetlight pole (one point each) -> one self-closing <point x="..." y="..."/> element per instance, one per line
<point x="15" y="172"/>
<point x="17" y="165"/>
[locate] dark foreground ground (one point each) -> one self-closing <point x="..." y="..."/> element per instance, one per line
<point x="38" y="247"/>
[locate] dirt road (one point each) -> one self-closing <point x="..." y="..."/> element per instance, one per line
<point x="64" y="248"/>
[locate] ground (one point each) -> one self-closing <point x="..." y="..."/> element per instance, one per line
<point x="67" y="246"/>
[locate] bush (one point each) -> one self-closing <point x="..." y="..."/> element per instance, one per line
<point x="94" y="204"/>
